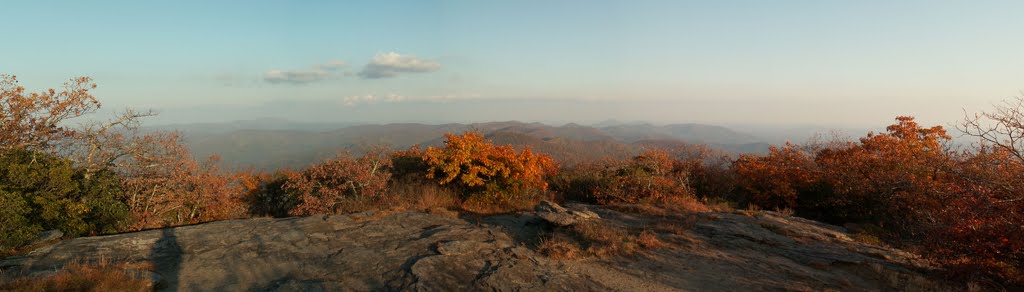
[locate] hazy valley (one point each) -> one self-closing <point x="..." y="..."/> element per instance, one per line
<point x="272" y="144"/>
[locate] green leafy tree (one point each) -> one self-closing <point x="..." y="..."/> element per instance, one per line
<point x="39" y="191"/>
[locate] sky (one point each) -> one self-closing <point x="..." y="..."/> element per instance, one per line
<point x="850" y="63"/>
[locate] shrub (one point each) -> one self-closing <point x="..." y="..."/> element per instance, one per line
<point x="775" y="181"/>
<point x="166" y="186"/>
<point x="101" y="276"/>
<point x="322" y="188"/>
<point x="894" y="179"/>
<point x="41" y="192"/>
<point x="409" y="164"/>
<point x="16" y="227"/>
<point x="979" y="231"/>
<point x="491" y="173"/>
<point x="651" y="177"/>
<point x="265" y="195"/>
<point x="965" y="210"/>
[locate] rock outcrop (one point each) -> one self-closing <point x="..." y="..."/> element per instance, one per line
<point x="421" y="251"/>
<point x="560" y="216"/>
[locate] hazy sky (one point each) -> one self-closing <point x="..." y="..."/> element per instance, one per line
<point x="776" y="62"/>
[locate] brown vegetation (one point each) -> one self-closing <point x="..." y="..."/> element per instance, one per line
<point x="960" y="208"/>
<point x="99" y="277"/>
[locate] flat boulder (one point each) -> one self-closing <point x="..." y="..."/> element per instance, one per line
<point x="423" y="251"/>
<point x="561" y="216"/>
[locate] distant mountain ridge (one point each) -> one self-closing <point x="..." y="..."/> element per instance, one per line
<point x="255" y="144"/>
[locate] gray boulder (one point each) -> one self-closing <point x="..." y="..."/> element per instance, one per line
<point x="561" y="216"/>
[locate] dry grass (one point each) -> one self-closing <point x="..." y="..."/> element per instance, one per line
<point x="100" y="276"/>
<point x="669" y="206"/>
<point x="648" y="239"/>
<point x="420" y="196"/>
<point x="403" y="197"/>
<point x="596" y="239"/>
<point x="686" y="204"/>
<point x="559" y="248"/>
<point x="719" y="205"/>
<point x="484" y="206"/>
<point x="787" y="212"/>
<point x="677" y="226"/>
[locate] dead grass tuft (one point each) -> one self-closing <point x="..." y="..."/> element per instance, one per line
<point x="559" y="248"/>
<point x="597" y="239"/>
<point x="485" y="206"/>
<point x="668" y="206"/>
<point x="98" y="276"/>
<point x="648" y="239"/>
<point x="677" y="226"/>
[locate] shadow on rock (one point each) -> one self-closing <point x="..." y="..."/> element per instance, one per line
<point x="166" y="257"/>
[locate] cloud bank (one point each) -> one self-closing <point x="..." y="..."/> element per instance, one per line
<point x="383" y="65"/>
<point x="388" y="65"/>
<point x="315" y="73"/>
<point x="356" y="100"/>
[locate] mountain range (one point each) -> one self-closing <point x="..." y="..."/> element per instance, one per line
<point x="270" y="144"/>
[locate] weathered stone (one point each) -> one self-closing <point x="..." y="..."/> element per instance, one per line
<point x="560" y="216"/>
<point x="421" y="251"/>
<point x="47" y="236"/>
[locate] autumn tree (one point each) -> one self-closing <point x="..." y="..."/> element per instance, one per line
<point x="979" y="232"/>
<point x="893" y="179"/>
<point x="776" y="181"/>
<point x="166" y="186"/>
<point x="984" y="221"/>
<point x="101" y="145"/>
<point x="476" y="166"/>
<point x="1002" y="128"/>
<point x="36" y="120"/>
<point x="156" y="176"/>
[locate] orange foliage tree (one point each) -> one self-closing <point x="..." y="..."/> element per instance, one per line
<point x="980" y="229"/>
<point x="475" y="165"/>
<point x="35" y="120"/>
<point x="889" y="179"/>
<point x="964" y="209"/>
<point x="166" y="186"/>
<point x="775" y="181"/>
<point x="893" y="179"/>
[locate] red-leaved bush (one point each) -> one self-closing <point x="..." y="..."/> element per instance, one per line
<point x="963" y="209"/>
<point x="322" y="188"/>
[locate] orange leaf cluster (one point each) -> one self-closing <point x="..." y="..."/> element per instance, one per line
<point x="34" y="120"/>
<point x="472" y="162"/>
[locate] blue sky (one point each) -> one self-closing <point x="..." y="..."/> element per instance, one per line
<point x="775" y="62"/>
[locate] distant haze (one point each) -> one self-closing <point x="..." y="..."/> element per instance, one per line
<point x="803" y="62"/>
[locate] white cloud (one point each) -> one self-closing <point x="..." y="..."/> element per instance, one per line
<point x="371" y="99"/>
<point x="387" y="65"/>
<point x="356" y="100"/>
<point x="316" y="73"/>
<point x="294" y="76"/>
